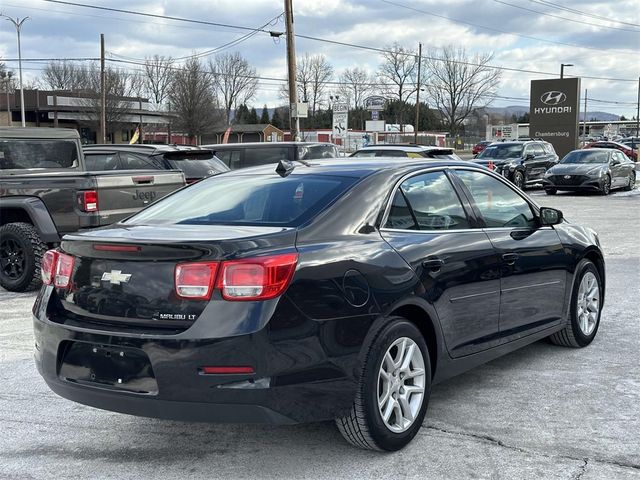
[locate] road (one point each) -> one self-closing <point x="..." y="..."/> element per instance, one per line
<point x="541" y="412"/>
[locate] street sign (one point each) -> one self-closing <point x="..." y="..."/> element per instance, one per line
<point x="340" y="119"/>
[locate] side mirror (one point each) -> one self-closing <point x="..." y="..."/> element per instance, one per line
<point x="550" y="216"/>
<point x="615" y="161"/>
<point x="529" y="156"/>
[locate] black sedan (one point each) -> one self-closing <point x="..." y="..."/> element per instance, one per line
<point x="330" y="290"/>
<point x="595" y="169"/>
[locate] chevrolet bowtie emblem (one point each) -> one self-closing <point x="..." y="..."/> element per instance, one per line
<point x="116" y="277"/>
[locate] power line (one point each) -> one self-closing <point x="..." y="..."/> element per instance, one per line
<point x="417" y="10"/>
<point x="580" y="12"/>
<point x="334" y="42"/>
<point x="565" y="18"/>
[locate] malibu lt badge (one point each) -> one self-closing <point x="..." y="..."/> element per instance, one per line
<point x="115" y="277"/>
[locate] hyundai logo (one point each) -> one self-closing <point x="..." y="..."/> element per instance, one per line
<point x="553" y="98"/>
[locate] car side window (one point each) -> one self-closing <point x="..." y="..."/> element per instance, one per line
<point x="101" y="161"/>
<point x="434" y="202"/>
<point x="365" y="153"/>
<point x="264" y="156"/>
<point x="538" y="151"/>
<point x="231" y="158"/>
<point x="499" y="205"/>
<point x="400" y="215"/>
<point x="131" y="161"/>
<point x="391" y="153"/>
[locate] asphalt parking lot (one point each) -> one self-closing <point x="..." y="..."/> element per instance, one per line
<point x="541" y="412"/>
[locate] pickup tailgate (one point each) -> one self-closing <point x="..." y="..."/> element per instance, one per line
<point x="121" y="194"/>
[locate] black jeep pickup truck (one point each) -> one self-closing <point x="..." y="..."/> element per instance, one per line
<point x="46" y="192"/>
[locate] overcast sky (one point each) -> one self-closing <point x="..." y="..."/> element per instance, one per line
<point x="528" y="37"/>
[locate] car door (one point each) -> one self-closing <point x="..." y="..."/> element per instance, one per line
<point x="619" y="174"/>
<point x="457" y="267"/>
<point x="538" y="164"/>
<point x="534" y="266"/>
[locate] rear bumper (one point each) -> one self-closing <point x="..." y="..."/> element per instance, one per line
<point x="300" y="376"/>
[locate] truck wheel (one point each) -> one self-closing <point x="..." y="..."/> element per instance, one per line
<point x="20" y="253"/>
<point x="393" y="390"/>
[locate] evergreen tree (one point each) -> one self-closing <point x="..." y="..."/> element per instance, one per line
<point x="242" y="115"/>
<point x="276" y="120"/>
<point x="264" y="118"/>
<point x="252" y="118"/>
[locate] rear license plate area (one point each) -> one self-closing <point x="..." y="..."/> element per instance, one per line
<point x="106" y="366"/>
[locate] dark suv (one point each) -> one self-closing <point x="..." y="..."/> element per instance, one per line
<point x="522" y="162"/>
<point x="253" y="154"/>
<point x="196" y="163"/>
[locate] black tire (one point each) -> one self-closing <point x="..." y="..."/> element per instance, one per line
<point x="632" y="181"/>
<point x="363" y="426"/>
<point x="20" y="253"/>
<point x="518" y="179"/>
<point x="605" y="188"/>
<point x="572" y="335"/>
<point x="550" y="191"/>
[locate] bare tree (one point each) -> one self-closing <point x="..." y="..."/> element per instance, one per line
<point x="65" y="75"/>
<point x="398" y="73"/>
<point x="192" y="98"/>
<point x="356" y="85"/>
<point x="313" y="72"/>
<point x="460" y="83"/>
<point x="234" y="81"/>
<point x="158" y="74"/>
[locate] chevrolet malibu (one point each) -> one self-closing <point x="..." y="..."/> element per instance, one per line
<point x="326" y="290"/>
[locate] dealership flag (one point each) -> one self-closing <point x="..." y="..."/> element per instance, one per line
<point x="134" y="138"/>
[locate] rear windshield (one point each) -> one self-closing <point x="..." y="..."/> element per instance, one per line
<point x="312" y="152"/>
<point x="502" y="151"/>
<point x="31" y="153"/>
<point x="266" y="200"/>
<point x="199" y="168"/>
<point x="578" y="156"/>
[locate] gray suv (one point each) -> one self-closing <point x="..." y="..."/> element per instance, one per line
<point x="522" y="162"/>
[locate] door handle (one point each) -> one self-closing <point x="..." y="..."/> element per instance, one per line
<point x="510" y="258"/>
<point x="433" y="264"/>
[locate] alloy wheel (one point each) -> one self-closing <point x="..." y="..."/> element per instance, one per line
<point x="606" y="185"/>
<point x="518" y="179"/>
<point x="12" y="259"/>
<point x="588" y="303"/>
<point x="401" y="384"/>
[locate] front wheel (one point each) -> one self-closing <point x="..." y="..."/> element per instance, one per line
<point x="605" y="188"/>
<point x="586" y="307"/>
<point x="393" y="391"/>
<point x="518" y="179"/>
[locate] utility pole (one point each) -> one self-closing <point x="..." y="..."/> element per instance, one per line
<point x="584" y="116"/>
<point x="18" y="24"/>
<point x="103" y="94"/>
<point x="638" y="111"/>
<point x="294" y="121"/>
<point x="415" y="130"/>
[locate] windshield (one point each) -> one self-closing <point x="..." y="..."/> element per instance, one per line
<point x="262" y="200"/>
<point x="585" y="156"/>
<point x="199" y="167"/>
<point x="32" y="153"/>
<point x="503" y="150"/>
<point x="312" y="152"/>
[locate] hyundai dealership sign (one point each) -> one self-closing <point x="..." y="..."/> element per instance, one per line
<point x="554" y="112"/>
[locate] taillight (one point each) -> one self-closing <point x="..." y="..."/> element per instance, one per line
<point x="56" y="268"/>
<point x="88" y="200"/>
<point x="258" y="278"/>
<point x="48" y="266"/>
<point x="195" y="280"/>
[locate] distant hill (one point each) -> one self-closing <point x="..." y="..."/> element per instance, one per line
<point x="520" y="110"/>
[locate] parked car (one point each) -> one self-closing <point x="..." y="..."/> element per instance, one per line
<point x="253" y="154"/>
<point x="626" y="149"/>
<point x="196" y="163"/>
<point x="522" y="162"/>
<point x="406" y="151"/>
<point x="632" y="142"/>
<point x="596" y="169"/>
<point x="480" y="146"/>
<point x="337" y="290"/>
<point x="47" y="191"/>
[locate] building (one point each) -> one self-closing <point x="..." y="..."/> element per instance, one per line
<point x="80" y="110"/>
<point x="242" y="133"/>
